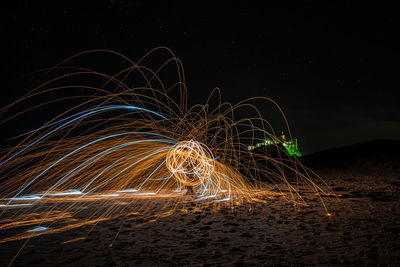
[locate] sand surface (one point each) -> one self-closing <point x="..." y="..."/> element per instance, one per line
<point x="364" y="229"/>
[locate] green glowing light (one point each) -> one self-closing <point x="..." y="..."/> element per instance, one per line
<point x="290" y="146"/>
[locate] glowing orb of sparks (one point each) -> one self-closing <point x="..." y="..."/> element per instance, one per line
<point x="190" y="162"/>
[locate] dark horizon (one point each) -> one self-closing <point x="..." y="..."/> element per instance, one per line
<point x="331" y="68"/>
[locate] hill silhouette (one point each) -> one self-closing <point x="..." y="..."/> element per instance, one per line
<point x="378" y="155"/>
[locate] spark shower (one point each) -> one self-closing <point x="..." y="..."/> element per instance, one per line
<point x="126" y="135"/>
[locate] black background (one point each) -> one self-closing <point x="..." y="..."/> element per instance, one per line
<point x="332" y="68"/>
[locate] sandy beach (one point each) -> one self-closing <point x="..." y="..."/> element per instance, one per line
<point x="362" y="230"/>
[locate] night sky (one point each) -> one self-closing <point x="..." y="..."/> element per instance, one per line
<point x="333" y="69"/>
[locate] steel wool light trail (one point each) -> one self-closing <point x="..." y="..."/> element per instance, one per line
<point x="118" y="143"/>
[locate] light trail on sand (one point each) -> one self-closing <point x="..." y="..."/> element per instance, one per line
<point x="134" y="144"/>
